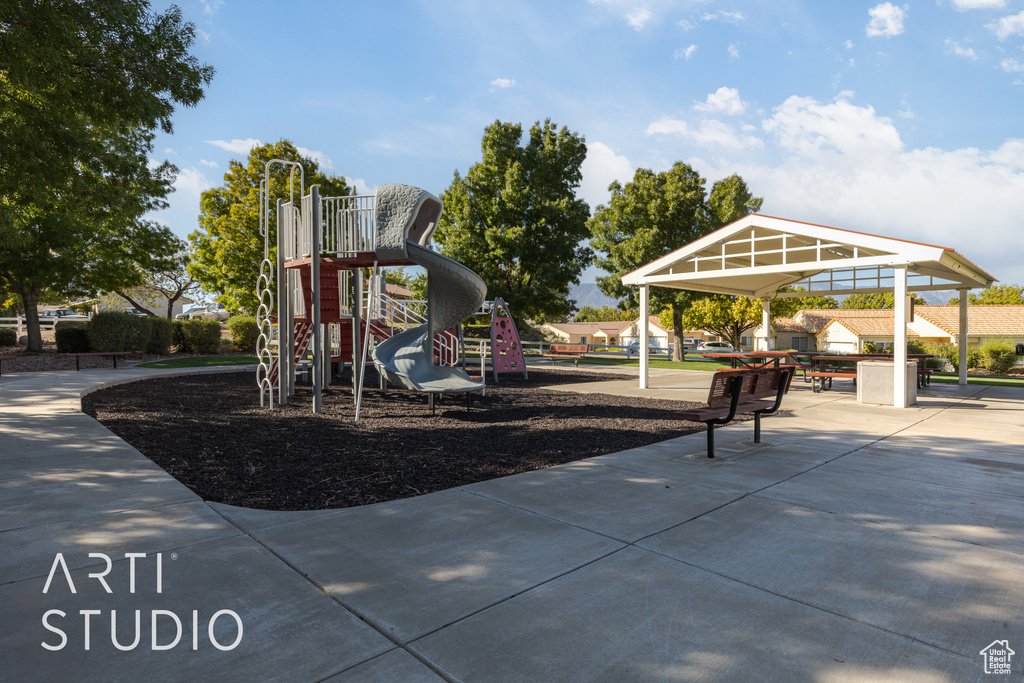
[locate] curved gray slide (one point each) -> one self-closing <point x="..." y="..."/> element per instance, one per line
<point x="406" y="218"/>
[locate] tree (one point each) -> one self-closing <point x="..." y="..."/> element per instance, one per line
<point x="876" y="301"/>
<point x="83" y="85"/>
<point x="730" y="201"/>
<point x="726" y="316"/>
<point x="515" y="218"/>
<point x="995" y="295"/>
<point x="166" y="282"/>
<point x="589" y="314"/>
<point x="227" y="249"/>
<point x="655" y="214"/>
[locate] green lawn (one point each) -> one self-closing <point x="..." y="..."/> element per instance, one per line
<point x="951" y="378"/>
<point x="200" y="362"/>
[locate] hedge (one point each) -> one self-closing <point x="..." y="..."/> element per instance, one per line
<point x="199" y="336"/>
<point x="8" y="336"/>
<point x="998" y="355"/>
<point x="244" y="332"/>
<point x="161" y="331"/>
<point x="116" y="331"/>
<point x="72" y="337"/>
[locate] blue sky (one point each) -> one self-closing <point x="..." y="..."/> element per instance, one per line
<point x="898" y="119"/>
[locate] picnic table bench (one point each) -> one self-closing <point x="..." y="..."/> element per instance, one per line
<point x="823" y="376"/>
<point x="111" y="354"/>
<point x="758" y="391"/>
<point x="571" y="351"/>
<point x="2" y="359"/>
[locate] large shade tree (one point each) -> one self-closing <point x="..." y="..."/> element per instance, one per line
<point x="83" y="86"/>
<point x="655" y="214"/>
<point x="515" y="218"/>
<point x="227" y="249"/>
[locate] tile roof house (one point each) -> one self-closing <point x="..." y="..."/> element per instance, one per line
<point x="943" y="322"/>
<point x="586" y="333"/>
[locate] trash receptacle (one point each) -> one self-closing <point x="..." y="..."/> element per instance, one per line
<point x="875" y="382"/>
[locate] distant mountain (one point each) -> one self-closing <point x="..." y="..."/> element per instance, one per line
<point x="587" y="294"/>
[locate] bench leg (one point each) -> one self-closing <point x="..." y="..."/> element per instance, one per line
<point x="76" y="363"/>
<point x="757" y="427"/>
<point x="115" y="362"/>
<point x="711" y="439"/>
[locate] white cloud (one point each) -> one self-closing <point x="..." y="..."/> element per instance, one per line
<point x="848" y="45"/>
<point x="843" y="165"/>
<point x="905" y="111"/>
<point x="1011" y="65"/>
<point x="685" y="52"/>
<point x="964" y="5"/>
<point x="211" y="164"/>
<point x="320" y="158"/>
<point x="639" y="18"/>
<point x="169" y="151"/>
<point x="724" y="100"/>
<point x="503" y="82"/>
<point x="668" y="126"/>
<point x="710" y="133"/>
<point x="361" y="186"/>
<point x="807" y="128"/>
<point x="886" y="20"/>
<point x="734" y="51"/>
<point x="953" y="47"/>
<point x="211" y="6"/>
<point x="1012" y="25"/>
<point x="722" y="15"/>
<point x="236" y="146"/>
<point x="601" y="167"/>
<point x="191" y="181"/>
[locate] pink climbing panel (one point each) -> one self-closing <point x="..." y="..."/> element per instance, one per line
<point x="506" y="350"/>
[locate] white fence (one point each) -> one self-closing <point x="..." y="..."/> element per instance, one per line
<point x="18" y="323"/>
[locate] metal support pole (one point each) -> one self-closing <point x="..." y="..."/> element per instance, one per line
<point x="314" y="255"/>
<point x="645" y="359"/>
<point x="899" y="340"/>
<point x="766" y="321"/>
<point x="357" y="314"/>
<point x="961" y="339"/>
<point x="284" y="351"/>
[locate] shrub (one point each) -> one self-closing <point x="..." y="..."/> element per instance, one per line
<point x="201" y="336"/>
<point x="160" y="334"/>
<point x="998" y="355"/>
<point x="914" y="346"/>
<point x="116" y="331"/>
<point x="244" y="332"/>
<point x="8" y="336"/>
<point x="178" y="337"/>
<point x="72" y="337"/>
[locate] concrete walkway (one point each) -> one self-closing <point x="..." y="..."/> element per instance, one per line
<point x="856" y="543"/>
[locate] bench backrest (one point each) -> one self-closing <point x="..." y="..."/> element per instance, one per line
<point x="569" y="348"/>
<point x="759" y="383"/>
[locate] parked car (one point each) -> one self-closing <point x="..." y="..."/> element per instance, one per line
<point x="635" y="348"/>
<point x="135" y="311"/>
<point x="715" y="347"/>
<point x="212" y="311"/>
<point x="51" y="316"/>
<point x="187" y="313"/>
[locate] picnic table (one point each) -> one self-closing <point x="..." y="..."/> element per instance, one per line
<point x="828" y="367"/>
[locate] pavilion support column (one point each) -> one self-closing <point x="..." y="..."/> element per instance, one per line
<point x="645" y="305"/>
<point x="961" y="340"/>
<point x="899" y="341"/>
<point x="766" y="321"/>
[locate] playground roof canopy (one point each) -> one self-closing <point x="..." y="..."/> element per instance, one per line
<point x="757" y="255"/>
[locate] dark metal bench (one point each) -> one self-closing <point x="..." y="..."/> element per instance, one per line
<point x="111" y="354"/>
<point x="758" y="391"/>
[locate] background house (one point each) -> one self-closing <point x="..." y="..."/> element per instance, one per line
<point x="658" y="336"/>
<point x="942" y="323"/>
<point x="602" y="333"/>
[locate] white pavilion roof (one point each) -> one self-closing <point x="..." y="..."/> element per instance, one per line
<point x="758" y="254"/>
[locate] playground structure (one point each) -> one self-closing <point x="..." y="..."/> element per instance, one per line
<point x="316" y="301"/>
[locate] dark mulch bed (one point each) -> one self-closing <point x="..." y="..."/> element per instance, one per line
<point x="210" y="433"/>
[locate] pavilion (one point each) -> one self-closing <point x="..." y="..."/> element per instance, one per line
<point x="757" y="255"/>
